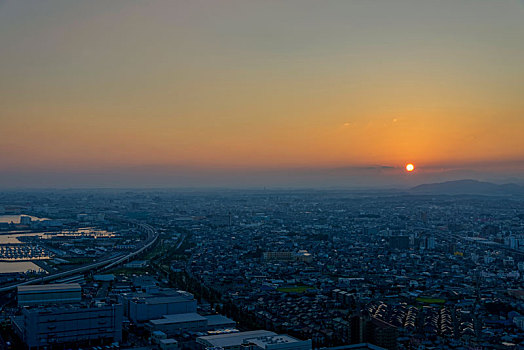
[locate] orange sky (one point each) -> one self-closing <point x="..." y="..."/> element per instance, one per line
<point x="260" y="85"/>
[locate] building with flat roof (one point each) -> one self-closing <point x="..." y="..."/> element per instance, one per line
<point x="361" y="346"/>
<point x="45" y="294"/>
<point x="279" y="342"/>
<point x="179" y="323"/>
<point x="230" y="341"/>
<point x="142" y="307"/>
<point x="215" y="322"/>
<point x="257" y="340"/>
<point x="104" y="278"/>
<point x="168" y="344"/>
<point x="69" y="325"/>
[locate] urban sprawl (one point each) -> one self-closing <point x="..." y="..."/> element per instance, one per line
<point x="260" y="270"/>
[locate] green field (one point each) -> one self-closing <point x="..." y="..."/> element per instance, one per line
<point x="296" y="289"/>
<point x="431" y="300"/>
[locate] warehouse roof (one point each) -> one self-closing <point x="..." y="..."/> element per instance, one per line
<point x="232" y="339"/>
<point x="264" y="341"/>
<point x="179" y="318"/>
<point x="218" y="320"/>
<point x="49" y="288"/>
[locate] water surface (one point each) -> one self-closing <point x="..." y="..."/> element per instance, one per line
<point x="18" y="266"/>
<point x="16" y="218"/>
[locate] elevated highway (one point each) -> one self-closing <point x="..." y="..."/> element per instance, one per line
<point x="152" y="237"/>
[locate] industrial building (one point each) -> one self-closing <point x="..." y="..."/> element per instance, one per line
<point x="49" y="294"/>
<point x="179" y="323"/>
<point x="162" y="341"/>
<point x="279" y="342"/>
<point x="69" y="325"/>
<point x="215" y="322"/>
<point x="168" y="344"/>
<point x="361" y="346"/>
<point x="257" y="340"/>
<point x="142" y="307"/>
<point x="230" y="341"/>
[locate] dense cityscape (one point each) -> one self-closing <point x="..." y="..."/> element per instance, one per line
<point x="261" y="269"/>
<point x="261" y="175"/>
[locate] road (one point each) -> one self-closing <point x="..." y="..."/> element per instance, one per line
<point x="152" y="237"/>
<point x="454" y="237"/>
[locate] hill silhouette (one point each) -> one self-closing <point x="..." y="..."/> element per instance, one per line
<point x="468" y="187"/>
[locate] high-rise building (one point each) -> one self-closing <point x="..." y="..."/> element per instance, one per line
<point x="430" y="243"/>
<point x="360" y="328"/>
<point x="380" y="333"/>
<point x="399" y="242"/>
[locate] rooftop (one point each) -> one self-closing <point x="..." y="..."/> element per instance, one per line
<point x="48" y="288"/>
<point x="232" y="339"/>
<point x="162" y="296"/>
<point x="217" y="320"/>
<point x="263" y="341"/>
<point x="360" y="346"/>
<point x="162" y="300"/>
<point x="178" y="318"/>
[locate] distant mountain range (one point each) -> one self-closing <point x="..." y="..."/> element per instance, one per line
<point x="468" y="187"/>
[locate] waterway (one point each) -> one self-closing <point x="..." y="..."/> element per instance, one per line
<point x="15" y="237"/>
<point x="16" y="266"/>
<point x="16" y="218"/>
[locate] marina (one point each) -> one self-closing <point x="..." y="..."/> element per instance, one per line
<point x="20" y="250"/>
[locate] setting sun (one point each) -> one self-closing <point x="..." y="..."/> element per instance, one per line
<point x="410" y="167"/>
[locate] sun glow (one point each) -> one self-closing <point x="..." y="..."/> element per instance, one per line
<point x="410" y="167"/>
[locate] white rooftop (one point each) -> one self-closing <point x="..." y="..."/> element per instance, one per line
<point x="232" y="339"/>
<point x="263" y="341"/>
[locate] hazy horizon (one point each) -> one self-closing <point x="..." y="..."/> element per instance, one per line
<point x="372" y="177"/>
<point x="251" y="94"/>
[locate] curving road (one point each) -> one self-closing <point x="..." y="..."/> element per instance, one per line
<point x="152" y="237"/>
